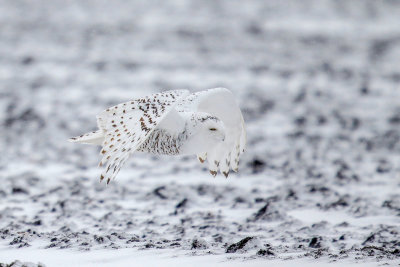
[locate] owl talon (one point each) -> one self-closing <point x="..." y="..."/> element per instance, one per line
<point x="213" y="173"/>
<point x="226" y="174"/>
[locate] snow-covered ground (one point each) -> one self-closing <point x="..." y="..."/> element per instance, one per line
<point x="318" y="84"/>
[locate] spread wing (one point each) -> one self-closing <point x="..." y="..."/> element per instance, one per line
<point x="126" y="126"/>
<point x="220" y="103"/>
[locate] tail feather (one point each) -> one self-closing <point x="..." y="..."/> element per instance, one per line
<point x="92" y="138"/>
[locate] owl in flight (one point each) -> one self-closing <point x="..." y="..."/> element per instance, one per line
<point x="208" y="124"/>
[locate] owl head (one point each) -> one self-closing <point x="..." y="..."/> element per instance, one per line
<point x="207" y="132"/>
<point x="211" y="128"/>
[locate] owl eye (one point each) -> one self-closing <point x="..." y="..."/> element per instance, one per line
<point x="212" y="129"/>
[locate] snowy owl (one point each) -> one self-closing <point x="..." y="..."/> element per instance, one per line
<point x="208" y="124"/>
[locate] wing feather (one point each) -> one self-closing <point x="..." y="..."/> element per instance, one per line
<point x="129" y="124"/>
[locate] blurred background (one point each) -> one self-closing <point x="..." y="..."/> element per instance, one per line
<point x="318" y="84"/>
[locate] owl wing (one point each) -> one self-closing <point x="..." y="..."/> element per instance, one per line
<point x="220" y="103"/>
<point x="126" y="126"/>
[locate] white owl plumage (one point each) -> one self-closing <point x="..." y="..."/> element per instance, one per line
<point x="208" y="124"/>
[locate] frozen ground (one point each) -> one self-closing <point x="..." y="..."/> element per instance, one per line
<point x="318" y="83"/>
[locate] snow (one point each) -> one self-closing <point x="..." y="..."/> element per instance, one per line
<point x="335" y="217"/>
<point x="317" y="82"/>
<point x="133" y="258"/>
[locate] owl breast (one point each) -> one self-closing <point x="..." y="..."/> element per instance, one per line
<point x="162" y="143"/>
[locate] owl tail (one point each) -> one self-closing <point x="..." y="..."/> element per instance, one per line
<point x="92" y="138"/>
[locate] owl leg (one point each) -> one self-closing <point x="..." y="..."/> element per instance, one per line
<point x="202" y="157"/>
<point x="214" y="159"/>
<point x="212" y="162"/>
<point x="225" y="164"/>
<point x="235" y="157"/>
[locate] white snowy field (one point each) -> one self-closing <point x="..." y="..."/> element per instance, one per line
<point x="138" y="258"/>
<point x="318" y="84"/>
